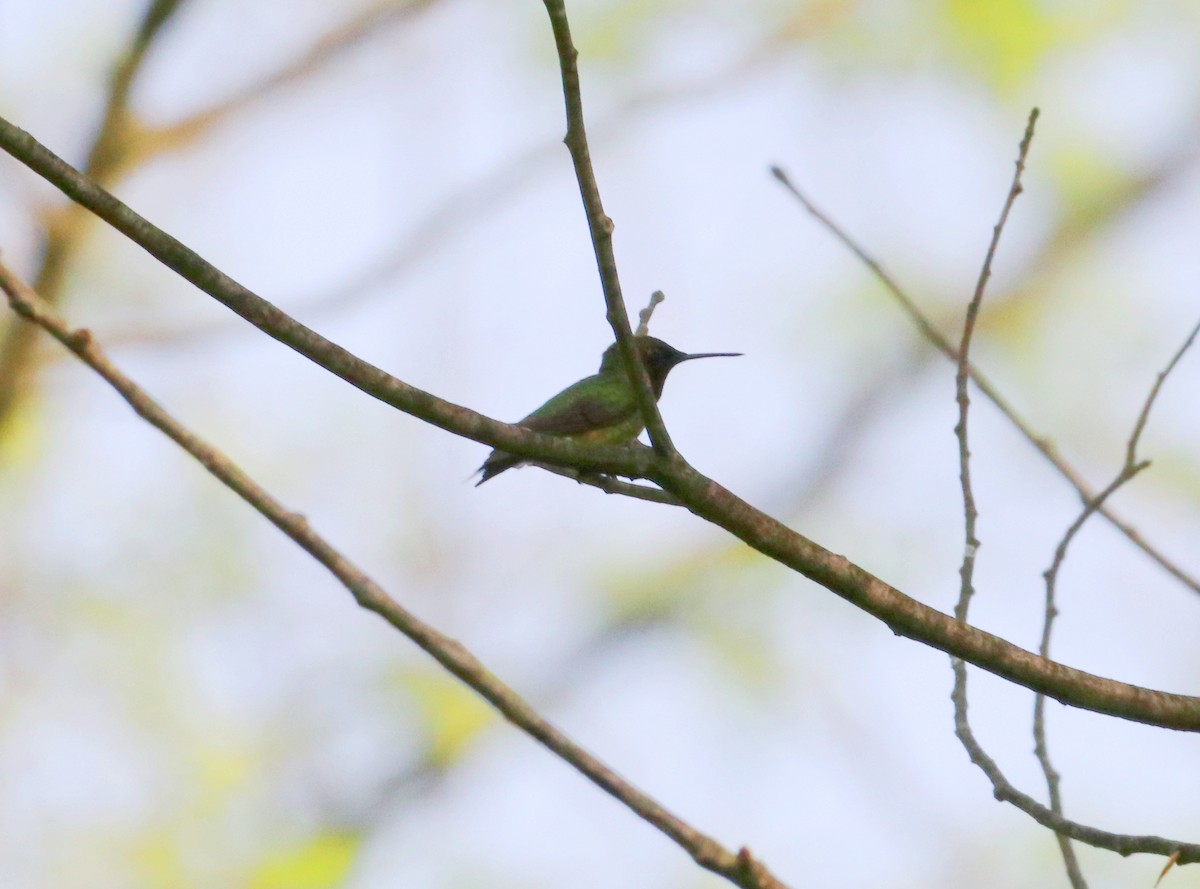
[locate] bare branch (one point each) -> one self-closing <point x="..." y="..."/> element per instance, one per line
<point x="700" y="494"/>
<point x="1138" y="427"/>
<point x="970" y="514"/>
<point x="1131" y="468"/>
<point x="448" y="652"/>
<point x="962" y="727"/>
<point x="469" y="203"/>
<point x="1049" y="817"/>
<point x="1122" y="844"/>
<point x="629" y="460"/>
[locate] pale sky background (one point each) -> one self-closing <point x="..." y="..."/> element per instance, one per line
<point x="186" y="699"/>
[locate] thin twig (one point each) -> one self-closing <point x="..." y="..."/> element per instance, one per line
<point x="469" y="203"/>
<point x="1041" y="749"/>
<point x="962" y="727"/>
<point x="970" y="513"/>
<point x="1050" y="817"/>
<point x="1140" y="425"/>
<point x="450" y="653"/>
<point x="611" y="485"/>
<point x="741" y="869"/>
<point x="601" y="228"/>
<point x="930" y="333"/>
<point x="701" y="495"/>
<point x="1128" y="471"/>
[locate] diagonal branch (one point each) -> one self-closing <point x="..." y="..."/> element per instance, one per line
<point x="328" y="47"/>
<point x="629" y="461"/>
<point x="448" y="652"/>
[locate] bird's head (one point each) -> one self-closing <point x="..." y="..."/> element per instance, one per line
<point x="657" y="356"/>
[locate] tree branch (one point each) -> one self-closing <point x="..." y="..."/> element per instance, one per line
<point x="630" y="461"/>
<point x="961" y="395"/>
<point x="451" y="654"/>
<point x="701" y="495"/>
<point x="601" y="228"/>
<point x="1131" y="468"/>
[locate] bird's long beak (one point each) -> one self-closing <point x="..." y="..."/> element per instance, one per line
<point x="711" y="355"/>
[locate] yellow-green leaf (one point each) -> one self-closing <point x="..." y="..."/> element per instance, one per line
<point x="453" y="714"/>
<point x="320" y="863"/>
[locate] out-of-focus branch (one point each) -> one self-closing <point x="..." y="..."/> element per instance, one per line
<point x="122" y="143"/>
<point x="631" y="461"/>
<point x="107" y="160"/>
<point x="331" y="45"/>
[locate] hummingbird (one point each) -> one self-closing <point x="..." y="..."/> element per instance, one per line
<point x="602" y="408"/>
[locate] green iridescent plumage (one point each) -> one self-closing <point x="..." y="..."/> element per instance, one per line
<point x="602" y="408"/>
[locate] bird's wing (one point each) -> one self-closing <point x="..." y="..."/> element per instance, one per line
<point x="578" y="408"/>
<point x="570" y="412"/>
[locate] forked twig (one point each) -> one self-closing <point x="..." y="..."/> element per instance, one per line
<point x="962" y="726"/>
<point x="1128" y="471"/>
